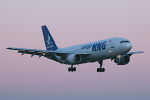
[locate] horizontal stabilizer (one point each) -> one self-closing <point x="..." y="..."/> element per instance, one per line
<point x="131" y="53"/>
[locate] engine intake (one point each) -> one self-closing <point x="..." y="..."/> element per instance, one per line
<point x="123" y="60"/>
<point x="74" y="58"/>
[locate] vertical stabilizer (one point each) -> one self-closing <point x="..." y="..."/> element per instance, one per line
<point x="49" y="41"/>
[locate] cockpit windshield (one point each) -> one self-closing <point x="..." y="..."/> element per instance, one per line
<point x="125" y="41"/>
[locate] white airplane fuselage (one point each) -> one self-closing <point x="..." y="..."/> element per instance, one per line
<point x="104" y="49"/>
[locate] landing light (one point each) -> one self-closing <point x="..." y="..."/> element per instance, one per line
<point x="109" y="51"/>
<point x="119" y="56"/>
<point x="43" y="54"/>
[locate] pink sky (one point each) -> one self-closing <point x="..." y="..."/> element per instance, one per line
<point x="73" y="22"/>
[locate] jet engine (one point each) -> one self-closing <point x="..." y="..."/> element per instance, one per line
<point x="122" y="60"/>
<point x="74" y="58"/>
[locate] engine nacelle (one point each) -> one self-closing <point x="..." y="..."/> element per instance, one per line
<point x="122" y="60"/>
<point x="74" y="58"/>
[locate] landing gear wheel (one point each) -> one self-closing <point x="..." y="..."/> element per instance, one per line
<point x="74" y="69"/>
<point x="98" y="69"/>
<point x="103" y="69"/>
<point x="69" y="69"/>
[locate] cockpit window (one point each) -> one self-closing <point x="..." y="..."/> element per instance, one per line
<point x="122" y="42"/>
<point x="125" y="42"/>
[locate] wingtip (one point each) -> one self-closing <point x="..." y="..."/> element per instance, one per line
<point x="9" y="48"/>
<point x="141" y="51"/>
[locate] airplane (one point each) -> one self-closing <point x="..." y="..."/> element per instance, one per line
<point x="116" y="49"/>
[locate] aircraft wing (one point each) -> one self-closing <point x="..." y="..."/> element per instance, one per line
<point x="131" y="53"/>
<point x="46" y="53"/>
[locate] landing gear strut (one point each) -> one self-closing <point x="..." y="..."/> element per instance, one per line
<point x="100" y="69"/>
<point x="72" y="68"/>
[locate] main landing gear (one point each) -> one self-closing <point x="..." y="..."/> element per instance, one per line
<point x="100" y="69"/>
<point x="72" y="69"/>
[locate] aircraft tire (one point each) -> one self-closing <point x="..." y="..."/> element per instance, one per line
<point x="98" y="69"/>
<point x="103" y="69"/>
<point x="69" y="69"/>
<point x="74" y="69"/>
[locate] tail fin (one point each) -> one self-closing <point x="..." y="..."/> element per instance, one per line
<point x="49" y="42"/>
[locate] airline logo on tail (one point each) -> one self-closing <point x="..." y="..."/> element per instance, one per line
<point x="49" y="43"/>
<point x="48" y="40"/>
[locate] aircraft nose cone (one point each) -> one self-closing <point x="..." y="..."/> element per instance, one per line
<point x="129" y="46"/>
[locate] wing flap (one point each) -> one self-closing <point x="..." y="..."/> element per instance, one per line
<point x="46" y="53"/>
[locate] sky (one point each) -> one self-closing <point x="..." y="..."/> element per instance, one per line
<point x="73" y="22"/>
